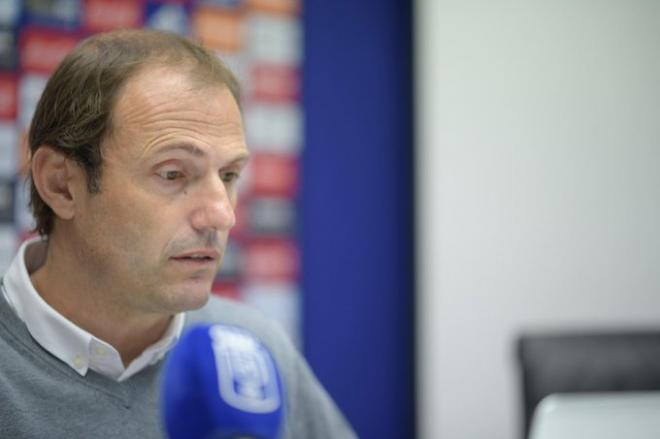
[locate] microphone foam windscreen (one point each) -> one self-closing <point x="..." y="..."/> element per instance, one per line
<point x="221" y="382"/>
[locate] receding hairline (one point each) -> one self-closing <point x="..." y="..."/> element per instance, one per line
<point x="164" y="49"/>
<point x="214" y="75"/>
<point x="185" y="72"/>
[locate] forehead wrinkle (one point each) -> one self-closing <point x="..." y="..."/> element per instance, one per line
<point x="193" y="124"/>
<point x="202" y="131"/>
<point x="147" y="117"/>
<point x="172" y="121"/>
<point x="143" y="95"/>
<point x="146" y="105"/>
<point x="169" y="139"/>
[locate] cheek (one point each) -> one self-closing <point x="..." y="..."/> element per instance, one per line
<point x="140" y="229"/>
<point x="138" y="226"/>
<point x="120" y="226"/>
<point x="153" y="230"/>
<point x="131" y="250"/>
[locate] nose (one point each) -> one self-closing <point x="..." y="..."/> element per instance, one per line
<point x="214" y="209"/>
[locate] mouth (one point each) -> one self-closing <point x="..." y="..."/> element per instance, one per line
<point x="198" y="258"/>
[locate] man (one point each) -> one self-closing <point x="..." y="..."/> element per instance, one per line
<point x="136" y="147"/>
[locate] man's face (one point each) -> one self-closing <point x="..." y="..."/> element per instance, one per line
<point x="155" y="234"/>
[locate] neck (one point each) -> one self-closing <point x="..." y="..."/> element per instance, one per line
<point x="95" y="309"/>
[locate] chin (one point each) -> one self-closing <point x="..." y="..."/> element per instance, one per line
<point x="196" y="301"/>
<point x="189" y="298"/>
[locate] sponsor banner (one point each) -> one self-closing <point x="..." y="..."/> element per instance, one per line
<point x="271" y="260"/>
<point x="53" y="13"/>
<point x="286" y="7"/>
<point x="30" y="88"/>
<point x="258" y="39"/>
<point x="8" y="246"/>
<point x="8" y="51"/>
<point x="227" y="290"/>
<point x="274" y="127"/>
<point x="240" y="212"/>
<point x="171" y="2"/>
<point x="230" y="270"/>
<point x="272" y="39"/>
<point x="228" y="4"/>
<point x="8" y="151"/>
<point x="218" y="28"/>
<point x="274" y="83"/>
<point x="280" y="301"/>
<point x="106" y="15"/>
<point x="22" y="214"/>
<point x="6" y="201"/>
<point x="236" y="63"/>
<point x="41" y="50"/>
<point x="8" y="96"/>
<point x="170" y="17"/>
<point x="10" y="11"/>
<point x="272" y="217"/>
<point x="274" y="175"/>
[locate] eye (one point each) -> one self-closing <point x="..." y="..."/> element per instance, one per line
<point x="230" y="177"/>
<point x="170" y="174"/>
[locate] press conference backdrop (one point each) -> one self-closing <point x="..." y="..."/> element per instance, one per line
<point x="260" y="40"/>
<point x="337" y="246"/>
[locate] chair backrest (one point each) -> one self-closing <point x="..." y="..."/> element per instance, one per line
<point x="588" y="362"/>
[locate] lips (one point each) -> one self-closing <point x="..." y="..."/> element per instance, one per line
<point x="198" y="256"/>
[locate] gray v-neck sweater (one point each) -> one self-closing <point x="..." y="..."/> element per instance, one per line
<point x="42" y="397"/>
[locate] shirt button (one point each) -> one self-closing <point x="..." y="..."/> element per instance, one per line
<point x="100" y="350"/>
<point x="78" y="362"/>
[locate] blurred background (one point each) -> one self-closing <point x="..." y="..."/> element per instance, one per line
<point x="434" y="183"/>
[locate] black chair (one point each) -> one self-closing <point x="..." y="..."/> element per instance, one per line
<point x="588" y="362"/>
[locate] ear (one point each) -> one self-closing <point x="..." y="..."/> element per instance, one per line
<point x="56" y="178"/>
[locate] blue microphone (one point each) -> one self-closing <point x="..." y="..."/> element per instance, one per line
<point x="221" y="382"/>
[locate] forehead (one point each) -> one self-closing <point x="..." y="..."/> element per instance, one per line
<point x="162" y="104"/>
<point x="158" y="86"/>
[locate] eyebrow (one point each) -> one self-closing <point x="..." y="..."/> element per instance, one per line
<point x="198" y="152"/>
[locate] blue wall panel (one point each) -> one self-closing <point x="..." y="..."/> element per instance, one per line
<point x="357" y="210"/>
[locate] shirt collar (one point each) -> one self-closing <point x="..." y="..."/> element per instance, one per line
<point x="64" y="339"/>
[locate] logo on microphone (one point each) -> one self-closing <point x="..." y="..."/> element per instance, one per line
<point x="247" y="377"/>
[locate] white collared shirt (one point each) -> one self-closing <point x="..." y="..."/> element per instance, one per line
<point x="65" y="340"/>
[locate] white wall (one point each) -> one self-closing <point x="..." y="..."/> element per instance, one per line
<point x="539" y="190"/>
